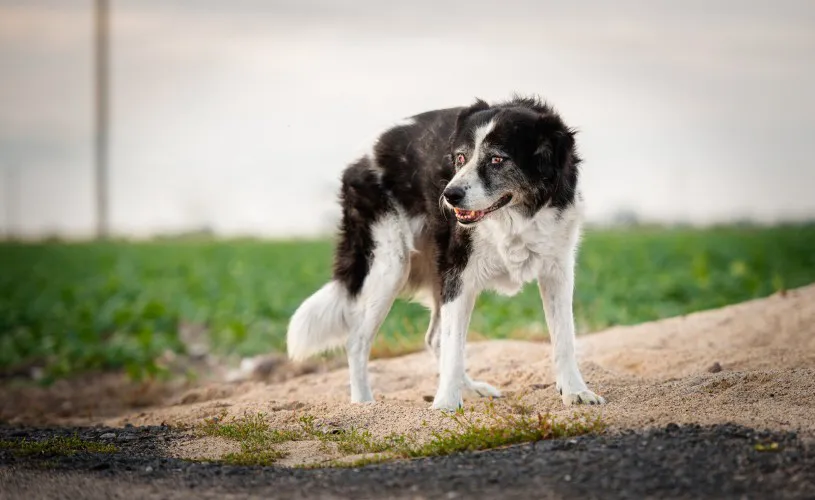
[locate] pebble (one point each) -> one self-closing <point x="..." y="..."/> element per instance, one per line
<point x="108" y="435"/>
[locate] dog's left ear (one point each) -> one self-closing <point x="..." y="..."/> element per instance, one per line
<point x="556" y="145"/>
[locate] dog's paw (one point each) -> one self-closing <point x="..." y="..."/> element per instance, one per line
<point x="573" y="389"/>
<point x="482" y="389"/>
<point x="362" y="396"/>
<point x="582" y="397"/>
<point x="447" y="407"/>
<point x="447" y="402"/>
<point x="364" y="402"/>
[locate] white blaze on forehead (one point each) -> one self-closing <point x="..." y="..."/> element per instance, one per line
<point x="479" y="136"/>
<point x="467" y="177"/>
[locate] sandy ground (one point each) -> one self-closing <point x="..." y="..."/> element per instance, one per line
<point x="651" y="374"/>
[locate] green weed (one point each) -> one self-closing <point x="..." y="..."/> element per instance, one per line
<point x="472" y="431"/>
<point x="59" y="445"/>
<point x="483" y="431"/>
<point x="255" y="436"/>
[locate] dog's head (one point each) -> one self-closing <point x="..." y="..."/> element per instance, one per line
<point x="518" y="155"/>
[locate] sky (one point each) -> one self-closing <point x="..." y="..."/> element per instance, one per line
<point x="241" y="115"/>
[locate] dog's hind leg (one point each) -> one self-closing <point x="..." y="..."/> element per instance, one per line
<point x="433" y="336"/>
<point x="390" y="265"/>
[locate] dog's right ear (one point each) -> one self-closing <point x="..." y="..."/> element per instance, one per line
<point x="478" y="105"/>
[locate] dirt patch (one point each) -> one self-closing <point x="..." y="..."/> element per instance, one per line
<point x="651" y="374"/>
<point x="202" y="447"/>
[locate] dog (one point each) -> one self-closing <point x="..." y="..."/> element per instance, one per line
<point x="448" y="203"/>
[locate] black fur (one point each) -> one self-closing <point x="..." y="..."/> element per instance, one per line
<point x="363" y="201"/>
<point x="412" y="164"/>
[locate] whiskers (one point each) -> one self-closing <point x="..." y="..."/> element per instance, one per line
<point x="442" y="184"/>
<point x="441" y="206"/>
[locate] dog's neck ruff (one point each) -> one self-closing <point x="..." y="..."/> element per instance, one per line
<point x="512" y="249"/>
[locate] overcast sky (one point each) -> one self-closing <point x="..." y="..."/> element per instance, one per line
<point x="241" y="114"/>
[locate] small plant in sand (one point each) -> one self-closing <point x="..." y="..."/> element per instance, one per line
<point x="470" y="431"/>
<point x="475" y="431"/>
<point x="255" y="436"/>
<point x="60" y="445"/>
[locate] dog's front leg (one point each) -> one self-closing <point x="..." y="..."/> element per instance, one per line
<point x="455" y="319"/>
<point x="557" y="289"/>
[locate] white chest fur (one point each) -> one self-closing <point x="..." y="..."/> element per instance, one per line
<point x="510" y="250"/>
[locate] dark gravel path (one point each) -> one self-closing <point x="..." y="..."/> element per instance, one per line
<point x="673" y="462"/>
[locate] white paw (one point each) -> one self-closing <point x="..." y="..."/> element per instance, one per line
<point x="447" y="402"/>
<point x="362" y="397"/>
<point x="573" y="390"/>
<point x="482" y="389"/>
<point x="447" y="406"/>
<point x="582" y="397"/>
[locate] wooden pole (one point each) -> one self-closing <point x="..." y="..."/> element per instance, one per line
<point x="101" y="70"/>
<point x="11" y="188"/>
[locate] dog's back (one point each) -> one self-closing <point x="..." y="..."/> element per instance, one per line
<point x="386" y="197"/>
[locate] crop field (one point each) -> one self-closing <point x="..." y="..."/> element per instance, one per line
<point x="73" y="307"/>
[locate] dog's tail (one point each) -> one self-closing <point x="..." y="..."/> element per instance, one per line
<point x="320" y="323"/>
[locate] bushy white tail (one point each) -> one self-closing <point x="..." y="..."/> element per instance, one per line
<point x="320" y="323"/>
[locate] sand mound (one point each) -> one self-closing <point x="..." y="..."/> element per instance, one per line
<point x="751" y="364"/>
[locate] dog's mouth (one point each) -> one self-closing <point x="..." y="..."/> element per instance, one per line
<point x="473" y="216"/>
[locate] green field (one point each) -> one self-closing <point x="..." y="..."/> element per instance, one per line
<point x="89" y="306"/>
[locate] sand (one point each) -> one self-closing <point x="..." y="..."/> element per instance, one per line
<point x="751" y="364"/>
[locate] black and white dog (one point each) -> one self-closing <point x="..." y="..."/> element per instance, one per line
<point x="448" y="204"/>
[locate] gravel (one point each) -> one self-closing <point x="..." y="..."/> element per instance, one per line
<point x="722" y="461"/>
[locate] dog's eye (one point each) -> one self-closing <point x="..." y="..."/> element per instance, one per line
<point x="460" y="159"/>
<point x="496" y="160"/>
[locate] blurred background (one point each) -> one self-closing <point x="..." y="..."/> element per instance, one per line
<point x="224" y="119"/>
<point x="227" y="114"/>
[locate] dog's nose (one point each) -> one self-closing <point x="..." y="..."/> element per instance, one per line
<point x="454" y="195"/>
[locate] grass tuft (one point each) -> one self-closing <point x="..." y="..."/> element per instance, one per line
<point x="471" y="431"/>
<point x="253" y="434"/>
<point x="483" y="431"/>
<point x="59" y="445"/>
<point x="351" y="464"/>
<point x="254" y="456"/>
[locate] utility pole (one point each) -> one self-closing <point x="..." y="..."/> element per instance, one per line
<point x="11" y="188"/>
<point x="101" y="78"/>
